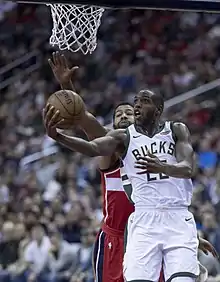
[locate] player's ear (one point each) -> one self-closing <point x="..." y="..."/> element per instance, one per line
<point x="159" y="111"/>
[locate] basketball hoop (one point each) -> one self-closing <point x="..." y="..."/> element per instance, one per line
<point x="76" y="22"/>
<point x="75" y="27"/>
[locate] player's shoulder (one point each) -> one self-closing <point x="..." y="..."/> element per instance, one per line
<point x="178" y="125"/>
<point x="122" y="138"/>
<point x="179" y="129"/>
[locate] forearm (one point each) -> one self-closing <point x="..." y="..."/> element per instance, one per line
<point x="90" y="125"/>
<point x="104" y="146"/>
<point x="180" y="170"/>
<point x="68" y="86"/>
<point x="77" y="144"/>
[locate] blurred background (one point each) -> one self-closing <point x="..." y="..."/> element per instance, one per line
<point x="58" y="192"/>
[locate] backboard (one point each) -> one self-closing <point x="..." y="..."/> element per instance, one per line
<point x="190" y="5"/>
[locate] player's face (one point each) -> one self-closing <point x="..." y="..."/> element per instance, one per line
<point x="144" y="107"/>
<point x="124" y="116"/>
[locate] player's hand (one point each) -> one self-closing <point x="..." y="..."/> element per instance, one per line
<point x="151" y="163"/>
<point x="207" y="247"/>
<point x="61" y="71"/>
<point x="52" y="120"/>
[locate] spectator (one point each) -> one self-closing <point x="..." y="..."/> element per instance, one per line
<point x="17" y="270"/>
<point x="8" y="250"/>
<point x="63" y="258"/>
<point x="207" y="158"/>
<point x="71" y="230"/>
<point x="60" y="221"/>
<point x="211" y="229"/>
<point x="85" y="269"/>
<point x="37" y="254"/>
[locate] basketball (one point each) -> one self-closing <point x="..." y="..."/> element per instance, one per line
<point x="70" y="105"/>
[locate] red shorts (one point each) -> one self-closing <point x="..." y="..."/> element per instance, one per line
<point x="108" y="256"/>
<point x="161" y="279"/>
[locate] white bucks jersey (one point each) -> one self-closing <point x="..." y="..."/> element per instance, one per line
<point x="152" y="189"/>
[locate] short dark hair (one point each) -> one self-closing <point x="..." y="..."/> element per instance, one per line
<point x="156" y="98"/>
<point x="121" y="104"/>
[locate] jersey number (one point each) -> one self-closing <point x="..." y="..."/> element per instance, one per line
<point x="158" y="176"/>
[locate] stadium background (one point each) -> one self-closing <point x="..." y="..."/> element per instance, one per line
<point x="40" y="182"/>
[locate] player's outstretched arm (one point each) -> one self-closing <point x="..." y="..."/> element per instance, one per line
<point x="105" y="146"/>
<point x="64" y="75"/>
<point x="184" y="154"/>
<point x="61" y="71"/>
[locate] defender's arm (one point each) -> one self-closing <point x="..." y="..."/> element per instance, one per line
<point x="104" y="146"/>
<point x="184" y="154"/>
<point x="90" y="125"/>
<point x="64" y="76"/>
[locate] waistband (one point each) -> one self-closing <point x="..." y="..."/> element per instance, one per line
<point x="160" y="207"/>
<point x="111" y="231"/>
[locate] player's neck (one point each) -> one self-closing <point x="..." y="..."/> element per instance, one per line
<point x="149" y="129"/>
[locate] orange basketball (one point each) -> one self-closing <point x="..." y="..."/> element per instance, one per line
<point x="70" y="105"/>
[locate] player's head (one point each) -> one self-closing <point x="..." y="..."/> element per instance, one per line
<point x="148" y="107"/>
<point x="123" y="115"/>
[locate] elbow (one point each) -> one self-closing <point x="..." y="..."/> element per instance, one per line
<point x="94" y="152"/>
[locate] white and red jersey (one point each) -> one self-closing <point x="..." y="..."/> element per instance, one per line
<point x="116" y="206"/>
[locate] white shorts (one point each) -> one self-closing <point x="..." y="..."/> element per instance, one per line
<point x="163" y="237"/>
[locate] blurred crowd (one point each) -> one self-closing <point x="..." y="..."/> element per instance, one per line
<point x="55" y="199"/>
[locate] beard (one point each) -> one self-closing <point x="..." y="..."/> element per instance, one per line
<point x="122" y="124"/>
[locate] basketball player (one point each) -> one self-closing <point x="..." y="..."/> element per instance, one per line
<point x="121" y="119"/>
<point x="109" y="245"/>
<point x="161" y="228"/>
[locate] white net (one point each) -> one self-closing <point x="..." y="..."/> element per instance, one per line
<point x="75" y="27"/>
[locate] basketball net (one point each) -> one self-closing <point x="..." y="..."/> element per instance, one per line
<point x="75" y="27"/>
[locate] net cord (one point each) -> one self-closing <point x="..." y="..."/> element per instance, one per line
<point x="75" y="27"/>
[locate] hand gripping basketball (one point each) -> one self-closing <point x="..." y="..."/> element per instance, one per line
<point x="52" y="120"/>
<point x="70" y="106"/>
